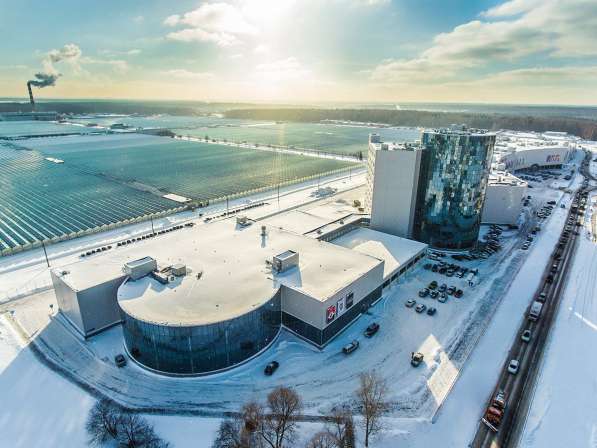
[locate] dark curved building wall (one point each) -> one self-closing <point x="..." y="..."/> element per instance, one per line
<point x="454" y="173"/>
<point x="200" y="349"/>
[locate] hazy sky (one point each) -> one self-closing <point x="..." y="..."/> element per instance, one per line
<point x="518" y="51"/>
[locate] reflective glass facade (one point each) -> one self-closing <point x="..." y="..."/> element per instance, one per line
<point x="206" y="348"/>
<point x="451" y="190"/>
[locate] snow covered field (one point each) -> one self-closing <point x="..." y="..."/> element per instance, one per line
<point x="38" y="397"/>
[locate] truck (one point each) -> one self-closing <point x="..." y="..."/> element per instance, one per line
<point x="495" y="411"/>
<point x="535" y="310"/>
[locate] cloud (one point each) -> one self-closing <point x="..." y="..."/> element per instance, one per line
<point x="219" y="23"/>
<point x="181" y="73"/>
<point x="545" y="76"/>
<point x="118" y="65"/>
<point x="510" y="32"/>
<point x="288" y="69"/>
<point x="138" y="19"/>
<point x="261" y="49"/>
<point x="70" y="53"/>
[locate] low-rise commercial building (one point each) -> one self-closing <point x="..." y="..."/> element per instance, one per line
<point x="210" y="297"/>
<point x="504" y="199"/>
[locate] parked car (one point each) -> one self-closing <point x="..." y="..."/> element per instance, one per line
<point x="410" y="303"/>
<point x="420" y="308"/>
<point x="431" y="311"/>
<point x="423" y="292"/>
<point x="458" y="293"/>
<point x="513" y="366"/>
<point x="434" y="294"/>
<point x="349" y="348"/>
<point x="372" y="329"/>
<point x="416" y="359"/>
<point x="432" y="285"/>
<point x="271" y="368"/>
<point x="443" y="287"/>
<point x="451" y="290"/>
<point x="120" y="360"/>
<point x="526" y="336"/>
<point x="443" y="298"/>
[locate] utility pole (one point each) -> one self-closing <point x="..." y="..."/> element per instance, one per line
<point x="226" y="204"/>
<point x="152" y="231"/>
<point x="45" y="253"/>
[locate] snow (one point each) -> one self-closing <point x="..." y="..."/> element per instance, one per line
<point x="438" y="404"/>
<point x="564" y="410"/>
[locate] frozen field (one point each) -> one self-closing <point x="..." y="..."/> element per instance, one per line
<point x="347" y="139"/>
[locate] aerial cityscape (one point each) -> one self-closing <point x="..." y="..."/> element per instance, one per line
<point x="311" y="224"/>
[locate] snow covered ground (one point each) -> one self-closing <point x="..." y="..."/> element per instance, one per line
<point x="564" y="407"/>
<point x="40" y="398"/>
<point x="34" y="275"/>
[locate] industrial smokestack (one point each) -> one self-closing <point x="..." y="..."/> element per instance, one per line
<point x="30" y="94"/>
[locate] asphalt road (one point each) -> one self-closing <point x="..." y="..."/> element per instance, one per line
<point x="517" y="387"/>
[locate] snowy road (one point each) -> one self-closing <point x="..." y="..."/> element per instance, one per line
<point x="564" y="410"/>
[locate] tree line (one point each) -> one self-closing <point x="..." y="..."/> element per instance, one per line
<point x="581" y="127"/>
<point x="275" y="424"/>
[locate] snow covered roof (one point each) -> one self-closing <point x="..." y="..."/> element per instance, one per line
<point x="234" y="276"/>
<point x="393" y="250"/>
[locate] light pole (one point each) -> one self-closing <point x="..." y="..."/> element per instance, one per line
<point x="45" y="253"/>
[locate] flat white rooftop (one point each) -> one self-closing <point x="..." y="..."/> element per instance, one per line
<point x="393" y="250"/>
<point x="235" y="278"/>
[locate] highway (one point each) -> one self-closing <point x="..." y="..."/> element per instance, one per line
<point x="518" y="388"/>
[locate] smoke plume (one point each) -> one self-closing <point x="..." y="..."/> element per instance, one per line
<point x="44" y="80"/>
<point x="70" y="53"/>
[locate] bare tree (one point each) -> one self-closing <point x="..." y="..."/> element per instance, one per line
<point x="341" y="427"/>
<point x="241" y="431"/>
<point x="136" y="432"/>
<point x="371" y="398"/>
<point x="102" y="422"/>
<point x="279" y="425"/>
<point x="323" y="439"/>
<point x="229" y="434"/>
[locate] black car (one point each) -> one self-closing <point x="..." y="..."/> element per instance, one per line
<point x="271" y="368"/>
<point x="431" y="311"/>
<point x="372" y="329"/>
<point x="120" y="360"/>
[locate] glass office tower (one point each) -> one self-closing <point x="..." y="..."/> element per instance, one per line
<point x="451" y="192"/>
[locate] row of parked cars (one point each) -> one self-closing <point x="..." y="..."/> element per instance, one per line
<point x="421" y="307"/>
<point x="447" y="269"/>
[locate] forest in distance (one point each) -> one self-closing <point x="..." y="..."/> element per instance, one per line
<point x="584" y="128"/>
<point x="540" y="119"/>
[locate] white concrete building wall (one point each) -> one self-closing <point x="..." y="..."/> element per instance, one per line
<point x="394" y="192"/>
<point x="503" y="203"/>
<point x="313" y="311"/>
<point x="360" y="288"/>
<point x="546" y="156"/>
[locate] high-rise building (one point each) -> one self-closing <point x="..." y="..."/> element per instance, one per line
<point x="392" y="179"/>
<point x="452" y="183"/>
<point x="433" y="191"/>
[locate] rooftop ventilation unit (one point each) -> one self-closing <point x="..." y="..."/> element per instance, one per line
<point x="243" y="221"/>
<point x="137" y="269"/>
<point x="179" y="270"/>
<point x="285" y="261"/>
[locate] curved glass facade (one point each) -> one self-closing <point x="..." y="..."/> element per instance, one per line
<point x="454" y="172"/>
<point x="205" y="348"/>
